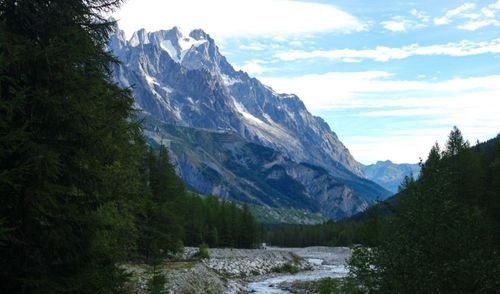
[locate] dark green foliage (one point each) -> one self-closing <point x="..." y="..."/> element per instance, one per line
<point x="218" y="223"/>
<point x="202" y="251"/>
<point x="328" y="286"/>
<point x="67" y="150"/>
<point x="172" y="217"/>
<point x="286" y="268"/>
<point x="442" y="234"/>
<point x="161" y="217"/>
<point x="343" y="233"/>
<point x="156" y="284"/>
<point x="80" y="192"/>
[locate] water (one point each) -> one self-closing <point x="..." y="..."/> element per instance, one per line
<point x="320" y="271"/>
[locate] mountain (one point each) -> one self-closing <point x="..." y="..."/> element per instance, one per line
<point x="183" y="81"/>
<point x="390" y="175"/>
<point x="223" y="163"/>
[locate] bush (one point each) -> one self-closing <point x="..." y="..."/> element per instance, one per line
<point x="328" y="286"/>
<point x="286" y="268"/>
<point x="202" y="251"/>
<point x="156" y="284"/>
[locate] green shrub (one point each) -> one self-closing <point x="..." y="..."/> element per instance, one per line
<point x="286" y="268"/>
<point x="156" y="284"/>
<point x="202" y="251"/>
<point x="328" y="286"/>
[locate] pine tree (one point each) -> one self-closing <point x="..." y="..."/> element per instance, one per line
<point x="68" y="156"/>
<point x="437" y="239"/>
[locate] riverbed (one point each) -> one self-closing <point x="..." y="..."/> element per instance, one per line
<point x="327" y="262"/>
<point x="234" y="271"/>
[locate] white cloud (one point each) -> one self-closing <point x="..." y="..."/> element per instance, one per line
<point x="474" y="25"/>
<point x="421" y="15"/>
<point x="223" y="18"/>
<point x="408" y="145"/>
<point x="453" y="13"/>
<point x="484" y="17"/>
<point x="254" y="67"/>
<point x="382" y="53"/>
<point x="495" y="5"/>
<point x="296" y="43"/>
<point x="417" y="20"/>
<point x="434" y="107"/>
<point x="488" y="12"/>
<point x="403" y="149"/>
<point x="343" y="89"/>
<point x="397" y="25"/>
<point x="323" y="91"/>
<point x="254" y="46"/>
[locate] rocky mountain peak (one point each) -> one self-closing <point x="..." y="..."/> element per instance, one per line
<point x="204" y="91"/>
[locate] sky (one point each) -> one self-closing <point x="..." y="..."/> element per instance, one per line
<point x="391" y="78"/>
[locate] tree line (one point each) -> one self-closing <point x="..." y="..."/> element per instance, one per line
<point x="330" y="233"/>
<point x="439" y="234"/>
<point x="80" y="190"/>
<point x="442" y="235"/>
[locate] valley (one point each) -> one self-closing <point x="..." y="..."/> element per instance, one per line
<point x="232" y="136"/>
<point x="265" y="157"/>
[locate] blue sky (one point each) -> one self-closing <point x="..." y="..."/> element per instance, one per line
<point x="389" y="77"/>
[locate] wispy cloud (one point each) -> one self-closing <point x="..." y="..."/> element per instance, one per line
<point x="345" y="90"/>
<point x="325" y="91"/>
<point x="254" y="67"/>
<point x="418" y="112"/>
<point x="454" y="13"/>
<point x="477" y="24"/>
<point x="229" y="18"/>
<point x="417" y="19"/>
<point x="421" y="15"/>
<point x="474" y="18"/>
<point x="397" y="24"/>
<point x="383" y="53"/>
<point x="254" y="46"/>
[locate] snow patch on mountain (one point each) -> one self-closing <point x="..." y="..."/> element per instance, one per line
<point x="184" y="43"/>
<point x="167" y="46"/>
<point x="229" y="81"/>
<point x="242" y="110"/>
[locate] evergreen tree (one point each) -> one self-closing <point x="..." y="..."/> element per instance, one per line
<point x="68" y="150"/>
<point x="437" y="240"/>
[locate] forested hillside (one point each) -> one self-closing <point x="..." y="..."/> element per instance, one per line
<point x="440" y="233"/>
<point x="80" y="191"/>
<point x="443" y="233"/>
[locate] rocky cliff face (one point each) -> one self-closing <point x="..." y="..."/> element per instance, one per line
<point x="232" y="136"/>
<point x="223" y="163"/>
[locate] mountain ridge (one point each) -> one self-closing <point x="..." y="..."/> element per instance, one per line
<point x="184" y="81"/>
<point x="390" y="175"/>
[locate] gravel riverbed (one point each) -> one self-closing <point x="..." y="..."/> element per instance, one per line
<point x="244" y="270"/>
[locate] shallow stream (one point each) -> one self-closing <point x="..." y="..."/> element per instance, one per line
<point x="320" y="271"/>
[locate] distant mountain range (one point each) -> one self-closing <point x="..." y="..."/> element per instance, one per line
<point x="232" y="136"/>
<point x="390" y="175"/>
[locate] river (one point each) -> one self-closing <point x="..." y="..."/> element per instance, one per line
<point x="328" y="263"/>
